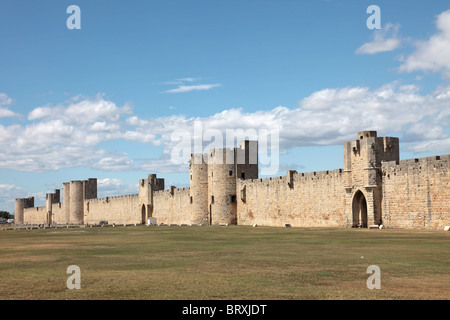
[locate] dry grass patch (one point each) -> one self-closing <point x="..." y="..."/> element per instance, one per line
<point x="235" y="262"/>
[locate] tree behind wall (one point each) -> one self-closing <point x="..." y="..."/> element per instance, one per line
<point x="5" y="214"/>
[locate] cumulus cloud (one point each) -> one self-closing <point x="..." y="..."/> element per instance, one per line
<point x="9" y="192"/>
<point x="385" y="39"/>
<point x="63" y="138"/>
<point x="5" y="101"/>
<point x="326" y="117"/>
<point x="113" y="187"/>
<point x="433" y="54"/>
<point x="5" y="113"/>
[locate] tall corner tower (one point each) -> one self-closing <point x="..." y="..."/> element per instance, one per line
<point x="19" y="206"/>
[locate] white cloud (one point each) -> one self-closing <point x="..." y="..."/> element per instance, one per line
<point x="5" y="113"/>
<point x="63" y="136"/>
<point x="433" y="54"/>
<point x="9" y="192"/>
<point x="114" y="162"/>
<point x="188" y="84"/>
<point x="63" y="139"/>
<point x="434" y="146"/>
<point x="384" y="40"/>
<point x="187" y="88"/>
<point x="326" y="117"/>
<point x="4" y="101"/>
<point x="113" y="187"/>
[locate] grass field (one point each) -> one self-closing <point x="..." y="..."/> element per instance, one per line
<point x="216" y="262"/>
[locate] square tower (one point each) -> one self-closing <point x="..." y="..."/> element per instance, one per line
<point x="362" y="175"/>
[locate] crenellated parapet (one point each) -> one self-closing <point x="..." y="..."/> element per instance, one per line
<point x="374" y="188"/>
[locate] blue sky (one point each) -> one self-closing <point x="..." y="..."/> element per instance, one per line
<point x="104" y="101"/>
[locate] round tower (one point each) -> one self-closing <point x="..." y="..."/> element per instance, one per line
<point x="222" y="203"/>
<point x="18" y="211"/>
<point x="76" y="202"/>
<point x="66" y="203"/>
<point x="48" y="205"/>
<point x="198" y="170"/>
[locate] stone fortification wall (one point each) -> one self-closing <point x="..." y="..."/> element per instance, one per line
<point x="57" y="212"/>
<point x="314" y="199"/>
<point x="118" y="210"/>
<point x="416" y="193"/>
<point x="172" y="206"/>
<point x="35" y="215"/>
<point x="374" y="188"/>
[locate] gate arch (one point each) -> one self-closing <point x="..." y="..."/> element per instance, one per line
<point x="143" y="214"/>
<point x="359" y="210"/>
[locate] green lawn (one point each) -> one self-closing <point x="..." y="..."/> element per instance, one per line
<point x="218" y="262"/>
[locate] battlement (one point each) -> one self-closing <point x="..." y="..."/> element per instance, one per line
<point x="318" y="174"/>
<point x="442" y="161"/>
<point x="293" y="177"/>
<point x="172" y="190"/>
<point x="53" y="197"/>
<point x="375" y="187"/>
<point x="26" y="202"/>
<point x="111" y="198"/>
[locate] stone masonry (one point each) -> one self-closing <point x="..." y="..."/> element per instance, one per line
<point x="374" y="188"/>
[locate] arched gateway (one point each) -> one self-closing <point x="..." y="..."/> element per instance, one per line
<point x="359" y="209"/>
<point x="143" y="212"/>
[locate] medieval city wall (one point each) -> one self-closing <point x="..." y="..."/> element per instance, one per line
<point x="416" y="193"/>
<point x="57" y="212"/>
<point x="314" y="199"/>
<point x="172" y="206"/>
<point x="374" y="188"/>
<point x="35" y="215"/>
<point x="118" y="210"/>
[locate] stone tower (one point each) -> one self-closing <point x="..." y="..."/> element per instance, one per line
<point x="146" y="189"/>
<point x="65" y="209"/>
<point x="74" y="194"/>
<point x="222" y="186"/>
<point x="19" y="206"/>
<point x="50" y="199"/>
<point x="198" y="170"/>
<point x="362" y="176"/>
<point x="224" y="167"/>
